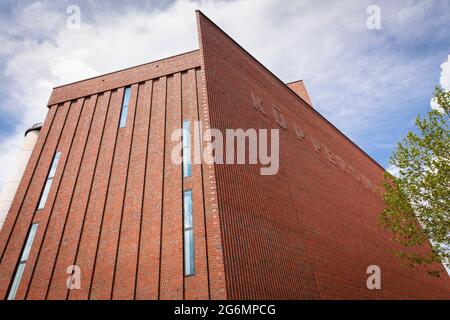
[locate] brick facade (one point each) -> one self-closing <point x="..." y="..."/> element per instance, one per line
<point x="115" y="207"/>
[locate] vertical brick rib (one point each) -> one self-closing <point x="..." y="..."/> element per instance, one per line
<point x="171" y="277"/>
<point x="201" y="171"/>
<point x="127" y="256"/>
<point x="147" y="110"/>
<point x="73" y="168"/>
<point x="48" y="217"/>
<point x="217" y="274"/>
<point x="75" y="221"/>
<point x="214" y="225"/>
<point x="89" y="238"/>
<point x="109" y="234"/>
<point x="150" y="242"/>
<point x="196" y="286"/>
<point x="90" y="168"/>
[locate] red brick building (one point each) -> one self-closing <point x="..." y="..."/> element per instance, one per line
<point x="100" y="192"/>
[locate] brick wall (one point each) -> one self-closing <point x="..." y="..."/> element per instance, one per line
<point x="311" y="230"/>
<point x="115" y="205"/>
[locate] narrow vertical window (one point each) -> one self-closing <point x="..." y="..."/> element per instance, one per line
<point x="125" y="103"/>
<point x="189" y="269"/>
<point x="22" y="262"/>
<point x="48" y="182"/>
<point x="186" y="149"/>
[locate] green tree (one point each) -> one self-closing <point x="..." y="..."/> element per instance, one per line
<point x="418" y="199"/>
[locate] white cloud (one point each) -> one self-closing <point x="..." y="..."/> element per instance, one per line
<point x="445" y="74"/>
<point x="444" y="81"/>
<point x="394" y="170"/>
<point x="435" y="106"/>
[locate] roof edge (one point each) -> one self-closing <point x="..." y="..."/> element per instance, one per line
<point x="125" y="77"/>
<point x="125" y="69"/>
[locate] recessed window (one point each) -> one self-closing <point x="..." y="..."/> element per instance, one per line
<point x="186" y="149"/>
<point x="125" y="103"/>
<point x="189" y="268"/>
<point x="48" y="182"/>
<point x="23" y="260"/>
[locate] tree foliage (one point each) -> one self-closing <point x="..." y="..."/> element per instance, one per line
<point x="418" y="199"/>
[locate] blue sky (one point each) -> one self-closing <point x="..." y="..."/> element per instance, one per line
<point x="370" y="83"/>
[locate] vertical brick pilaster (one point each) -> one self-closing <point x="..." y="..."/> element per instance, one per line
<point x="217" y="281"/>
<point x="127" y="258"/>
<point x="104" y="269"/>
<point x="75" y="222"/>
<point x="147" y="286"/>
<point x="171" y="277"/>
<point x="89" y="238"/>
<point x="61" y="188"/>
<point x="196" y="286"/>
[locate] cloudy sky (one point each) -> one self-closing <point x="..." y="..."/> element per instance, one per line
<point x="370" y="83"/>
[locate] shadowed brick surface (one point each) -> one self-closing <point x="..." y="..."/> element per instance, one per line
<point x="312" y="230"/>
